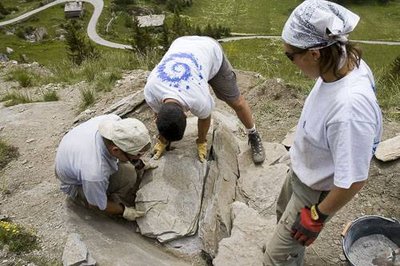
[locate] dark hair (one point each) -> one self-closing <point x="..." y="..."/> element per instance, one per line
<point x="171" y="121"/>
<point x="330" y="57"/>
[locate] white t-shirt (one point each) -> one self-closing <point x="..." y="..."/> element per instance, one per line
<point x="183" y="75"/>
<point x="338" y="131"/>
<point x="82" y="159"/>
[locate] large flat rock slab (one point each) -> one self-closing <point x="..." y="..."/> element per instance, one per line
<point x="113" y="241"/>
<point x="171" y="194"/>
<point x="171" y="198"/>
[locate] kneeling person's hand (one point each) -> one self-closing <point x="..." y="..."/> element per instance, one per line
<point x="131" y="214"/>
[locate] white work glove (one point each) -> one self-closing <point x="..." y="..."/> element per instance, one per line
<point x="131" y="214"/>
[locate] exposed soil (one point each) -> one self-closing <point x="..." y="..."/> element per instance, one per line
<point x="29" y="191"/>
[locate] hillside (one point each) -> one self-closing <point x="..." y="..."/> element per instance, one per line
<point x="30" y="194"/>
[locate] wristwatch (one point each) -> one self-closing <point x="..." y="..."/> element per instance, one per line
<point x="316" y="214"/>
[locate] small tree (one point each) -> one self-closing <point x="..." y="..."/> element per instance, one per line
<point x="3" y="10"/>
<point x="165" y="41"/>
<point x="79" y="48"/>
<point x="142" y="40"/>
<point x="395" y="67"/>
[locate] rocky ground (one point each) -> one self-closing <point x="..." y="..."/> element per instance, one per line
<point x="29" y="191"/>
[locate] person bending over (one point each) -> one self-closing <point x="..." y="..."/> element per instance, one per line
<point x="180" y="83"/>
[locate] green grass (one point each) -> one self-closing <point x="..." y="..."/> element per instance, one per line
<point x="23" y="7"/>
<point x="87" y="98"/>
<point x="46" y="52"/>
<point x="50" y="96"/>
<point x="22" y="76"/>
<point x="266" y="57"/>
<point x="377" y="22"/>
<point x="15" y="97"/>
<point x="268" y="17"/>
<point x="7" y="153"/>
<point x="117" y="32"/>
<point x="18" y="238"/>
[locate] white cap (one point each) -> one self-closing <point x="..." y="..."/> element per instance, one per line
<point x="129" y="134"/>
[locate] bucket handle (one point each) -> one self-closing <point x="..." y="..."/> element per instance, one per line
<point x="345" y="229"/>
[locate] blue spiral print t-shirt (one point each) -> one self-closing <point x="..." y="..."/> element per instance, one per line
<point x="183" y="74"/>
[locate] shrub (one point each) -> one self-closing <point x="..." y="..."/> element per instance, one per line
<point x="78" y="46"/>
<point x="50" y="96"/>
<point x="15" y="97"/>
<point x="7" y="153"/>
<point x="87" y="98"/>
<point x="107" y="81"/>
<point x="17" y="237"/>
<point x="22" y="76"/>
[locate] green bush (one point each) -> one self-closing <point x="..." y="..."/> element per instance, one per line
<point x="50" y="96"/>
<point x="15" y="97"/>
<point x="7" y="153"/>
<point x="107" y="81"/>
<point x="87" y="98"/>
<point x="22" y="76"/>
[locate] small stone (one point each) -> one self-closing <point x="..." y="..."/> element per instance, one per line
<point x="342" y="257"/>
<point x="30" y="140"/>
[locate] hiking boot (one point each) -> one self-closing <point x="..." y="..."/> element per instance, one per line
<point x="257" y="148"/>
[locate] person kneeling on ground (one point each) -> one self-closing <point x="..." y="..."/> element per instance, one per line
<point x="180" y="83"/>
<point x="95" y="163"/>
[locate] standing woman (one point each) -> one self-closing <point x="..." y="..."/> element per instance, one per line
<point x="338" y="131"/>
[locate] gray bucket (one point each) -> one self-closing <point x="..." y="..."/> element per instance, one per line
<point x="372" y="240"/>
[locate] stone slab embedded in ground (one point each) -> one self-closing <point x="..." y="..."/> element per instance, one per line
<point x="388" y="150"/>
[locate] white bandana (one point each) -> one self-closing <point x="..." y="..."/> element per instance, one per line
<point x="318" y="24"/>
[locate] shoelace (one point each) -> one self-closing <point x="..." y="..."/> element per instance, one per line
<point x="255" y="141"/>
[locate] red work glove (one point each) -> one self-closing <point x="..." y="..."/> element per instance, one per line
<point x="308" y="224"/>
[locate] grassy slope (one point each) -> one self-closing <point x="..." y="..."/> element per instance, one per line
<point x="23" y="7"/>
<point x="251" y="16"/>
<point x="268" y="17"/>
<point x="48" y="51"/>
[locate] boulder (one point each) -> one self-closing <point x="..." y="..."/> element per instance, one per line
<point x="40" y="33"/>
<point x="76" y="253"/>
<point x="171" y="194"/>
<point x="250" y="232"/>
<point x="388" y="150"/>
<point x="219" y="190"/>
<point x="3" y="58"/>
<point x="127" y="104"/>
<point x="259" y="185"/>
<point x="289" y="138"/>
<point x="260" y="188"/>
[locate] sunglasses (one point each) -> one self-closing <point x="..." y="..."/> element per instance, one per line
<point x="291" y="55"/>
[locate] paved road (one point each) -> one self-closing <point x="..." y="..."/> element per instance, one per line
<point x="98" y="8"/>
<point x="91" y="29"/>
